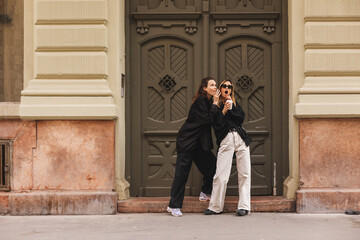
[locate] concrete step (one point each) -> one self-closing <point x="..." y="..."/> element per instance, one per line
<point x="193" y="205"/>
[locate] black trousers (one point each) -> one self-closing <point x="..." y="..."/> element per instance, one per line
<point x="205" y="161"/>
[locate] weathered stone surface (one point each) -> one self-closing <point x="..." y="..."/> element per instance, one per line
<point x="330" y="153"/>
<point x="55" y="156"/>
<point x="327" y="200"/>
<point x="9" y="128"/>
<point x="68" y="155"/>
<point x="74" y="155"/>
<point x="23" y="135"/>
<point x="193" y="205"/>
<point x="63" y="203"/>
<point x="22" y="167"/>
<point x="329" y="165"/>
<point x="4" y="203"/>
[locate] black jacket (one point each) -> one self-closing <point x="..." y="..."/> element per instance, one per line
<point x="197" y="128"/>
<point x="233" y="119"/>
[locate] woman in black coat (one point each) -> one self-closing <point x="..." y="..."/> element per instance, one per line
<point x="194" y="144"/>
<point x="232" y="139"/>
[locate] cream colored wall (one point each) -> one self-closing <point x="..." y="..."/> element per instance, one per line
<point x="67" y="58"/>
<point x="332" y="60"/>
<point x="74" y="56"/>
<point x="116" y="68"/>
<point x="9" y="110"/>
<point x="324" y="67"/>
<point x="296" y="80"/>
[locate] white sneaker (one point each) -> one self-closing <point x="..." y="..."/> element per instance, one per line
<point x="204" y="197"/>
<point x="174" y="211"/>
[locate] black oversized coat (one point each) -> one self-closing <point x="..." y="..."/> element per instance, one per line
<point x="233" y="119"/>
<point x="196" y="131"/>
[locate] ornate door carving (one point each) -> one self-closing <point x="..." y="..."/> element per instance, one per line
<point x="172" y="44"/>
<point x="163" y="72"/>
<point x="246" y="61"/>
<point x="166" y="88"/>
<point x="248" y="39"/>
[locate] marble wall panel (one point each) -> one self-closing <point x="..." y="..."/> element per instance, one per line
<point x="23" y="136"/>
<point x="25" y="142"/>
<point x="74" y="155"/>
<point x="329" y="153"/>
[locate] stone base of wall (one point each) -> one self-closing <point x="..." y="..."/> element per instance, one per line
<point x="58" y="203"/>
<point x="193" y="205"/>
<point x="327" y="200"/>
<point x="60" y="167"/>
<point x="329" y="166"/>
<point x="4" y="203"/>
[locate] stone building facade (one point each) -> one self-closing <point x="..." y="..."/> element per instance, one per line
<point x="64" y="135"/>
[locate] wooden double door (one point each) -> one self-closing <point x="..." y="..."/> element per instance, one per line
<point x="171" y="46"/>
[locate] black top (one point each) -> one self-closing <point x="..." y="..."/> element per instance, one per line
<point x="197" y="128"/>
<point x="232" y="120"/>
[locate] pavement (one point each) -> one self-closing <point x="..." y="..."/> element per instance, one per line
<point x="259" y="226"/>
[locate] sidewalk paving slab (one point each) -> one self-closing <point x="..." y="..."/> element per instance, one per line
<point x="259" y="226"/>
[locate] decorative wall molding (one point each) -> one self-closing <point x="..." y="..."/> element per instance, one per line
<point x="146" y="17"/>
<point x="67" y="60"/>
<point x="161" y="136"/>
<point x="226" y="17"/>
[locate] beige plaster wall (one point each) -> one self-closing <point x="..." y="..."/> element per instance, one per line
<point x="9" y="110"/>
<point x="66" y="73"/>
<point x="324" y="68"/>
<point x="74" y="56"/>
<point x="116" y="55"/>
<point x="331" y="60"/>
<point x="296" y="80"/>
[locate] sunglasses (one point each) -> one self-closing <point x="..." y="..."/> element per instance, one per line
<point x="227" y="86"/>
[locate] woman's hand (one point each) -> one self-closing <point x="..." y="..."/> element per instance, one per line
<point x="216" y="97"/>
<point x="227" y="106"/>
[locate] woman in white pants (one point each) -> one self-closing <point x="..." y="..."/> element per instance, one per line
<point x="231" y="138"/>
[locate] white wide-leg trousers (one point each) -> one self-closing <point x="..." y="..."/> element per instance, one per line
<point x="230" y="144"/>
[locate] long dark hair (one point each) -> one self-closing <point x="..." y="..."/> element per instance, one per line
<point x="201" y="91"/>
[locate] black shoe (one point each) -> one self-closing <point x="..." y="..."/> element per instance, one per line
<point x="210" y="212"/>
<point x="241" y="212"/>
<point x="352" y="212"/>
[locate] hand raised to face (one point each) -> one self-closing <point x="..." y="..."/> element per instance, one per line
<point x="216" y="97"/>
<point x="227" y="106"/>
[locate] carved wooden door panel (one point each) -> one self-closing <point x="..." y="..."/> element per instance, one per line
<point x="164" y="68"/>
<point x="247" y="37"/>
<point x="246" y="62"/>
<point x="166" y="96"/>
<point x="171" y="45"/>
